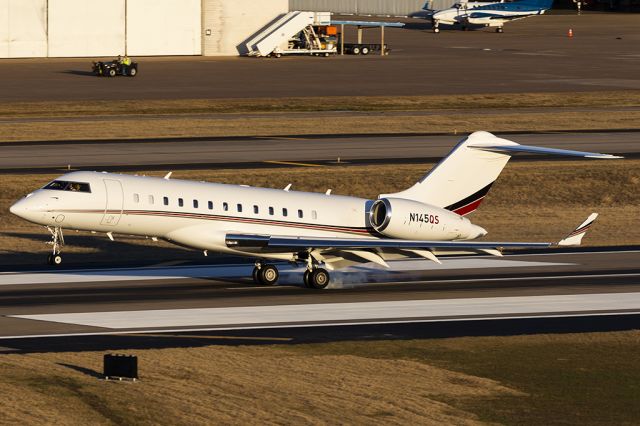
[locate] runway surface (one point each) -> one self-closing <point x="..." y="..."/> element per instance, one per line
<point x="44" y="310"/>
<point x="532" y="55"/>
<point x="256" y="152"/>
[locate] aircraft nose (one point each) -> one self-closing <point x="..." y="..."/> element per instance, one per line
<point x="17" y="208"/>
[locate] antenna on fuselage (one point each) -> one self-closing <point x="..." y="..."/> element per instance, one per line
<point x="167" y="176"/>
<point x="288" y="187"/>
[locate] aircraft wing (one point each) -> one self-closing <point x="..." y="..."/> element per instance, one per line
<point x="303" y="243"/>
<point x="341" y="252"/>
<point x="483" y="15"/>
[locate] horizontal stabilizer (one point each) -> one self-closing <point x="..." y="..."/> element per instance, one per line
<point x="575" y="238"/>
<point x="514" y="149"/>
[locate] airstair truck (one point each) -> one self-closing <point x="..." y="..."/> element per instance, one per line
<point x="295" y="33"/>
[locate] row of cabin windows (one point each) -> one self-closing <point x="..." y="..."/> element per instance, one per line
<point x="225" y="206"/>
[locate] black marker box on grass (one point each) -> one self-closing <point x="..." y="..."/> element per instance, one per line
<point x="119" y="367"/>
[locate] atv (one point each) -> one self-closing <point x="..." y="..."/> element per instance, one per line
<point x="115" y="67"/>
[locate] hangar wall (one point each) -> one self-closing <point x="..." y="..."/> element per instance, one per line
<point x="368" y="7"/>
<point x="86" y="28"/>
<point x="164" y="27"/>
<point x="23" y="28"/>
<point x="227" y="24"/>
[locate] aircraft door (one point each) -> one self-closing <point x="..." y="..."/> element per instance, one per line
<point x="115" y="200"/>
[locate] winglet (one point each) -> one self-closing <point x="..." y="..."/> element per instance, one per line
<point x="575" y="238"/>
<point x="167" y="176"/>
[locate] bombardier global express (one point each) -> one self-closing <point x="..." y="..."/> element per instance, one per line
<point x="320" y="230"/>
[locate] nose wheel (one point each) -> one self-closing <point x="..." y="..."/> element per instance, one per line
<point x="57" y="242"/>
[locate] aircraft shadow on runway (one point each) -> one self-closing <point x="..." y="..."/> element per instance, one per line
<point x="302" y="335"/>
<point x="121" y="252"/>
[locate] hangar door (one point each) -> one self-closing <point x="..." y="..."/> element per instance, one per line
<point x="164" y="27"/>
<point x="86" y="27"/>
<point x="23" y="28"/>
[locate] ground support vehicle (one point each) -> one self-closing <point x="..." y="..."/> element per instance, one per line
<point x="114" y="68"/>
<point x="364" y="48"/>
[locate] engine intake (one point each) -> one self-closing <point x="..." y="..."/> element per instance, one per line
<point x="408" y="219"/>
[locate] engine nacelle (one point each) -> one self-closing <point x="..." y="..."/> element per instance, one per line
<point x="412" y="220"/>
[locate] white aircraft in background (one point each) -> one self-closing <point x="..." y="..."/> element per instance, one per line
<point x="488" y="14"/>
<point x="323" y="231"/>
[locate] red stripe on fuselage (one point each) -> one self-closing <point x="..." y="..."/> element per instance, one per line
<point x="464" y="210"/>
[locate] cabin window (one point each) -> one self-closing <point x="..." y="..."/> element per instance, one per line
<point x="165" y="201"/>
<point x="195" y="204"/>
<point x="136" y="198"/>
<point x="300" y="214"/>
<point x="210" y="205"/>
<point x="151" y="200"/>
<point x="225" y="206"/>
<point x="180" y="202"/>
<point x="271" y="211"/>
<point x="314" y="214"/>
<point x="63" y="185"/>
<point x="284" y="212"/>
<point x="256" y="210"/>
<point x="239" y="207"/>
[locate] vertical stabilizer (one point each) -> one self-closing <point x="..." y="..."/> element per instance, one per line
<point x="463" y="178"/>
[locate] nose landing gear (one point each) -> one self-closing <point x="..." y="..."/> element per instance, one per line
<point x="57" y="241"/>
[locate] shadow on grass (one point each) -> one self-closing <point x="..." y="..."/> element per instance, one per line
<point x="83" y="370"/>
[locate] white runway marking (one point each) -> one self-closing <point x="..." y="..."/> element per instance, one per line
<point x="359" y="311"/>
<point x="242" y="271"/>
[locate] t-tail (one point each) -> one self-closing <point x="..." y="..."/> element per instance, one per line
<point x="463" y="178"/>
<point x="537" y="4"/>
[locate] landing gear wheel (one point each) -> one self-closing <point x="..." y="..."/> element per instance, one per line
<point x="499" y="30"/>
<point x="54" y="259"/>
<point x="436" y="30"/>
<point x="305" y="278"/>
<point x="256" y="276"/>
<point x="319" y="279"/>
<point x="269" y="275"/>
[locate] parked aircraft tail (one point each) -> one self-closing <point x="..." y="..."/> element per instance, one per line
<point x="463" y="178"/>
<point x="539" y="4"/>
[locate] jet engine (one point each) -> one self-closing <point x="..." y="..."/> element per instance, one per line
<point x="412" y="220"/>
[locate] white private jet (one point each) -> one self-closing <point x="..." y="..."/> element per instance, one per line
<point x="322" y="231"/>
<point x="488" y="14"/>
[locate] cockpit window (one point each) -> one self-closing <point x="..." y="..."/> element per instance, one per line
<point x="63" y="185"/>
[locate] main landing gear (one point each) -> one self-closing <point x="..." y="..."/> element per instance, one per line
<point x="314" y="276"/>
<point x="57" y="241"/>
<point x="265" y="274"/>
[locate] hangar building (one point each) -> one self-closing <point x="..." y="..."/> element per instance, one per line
<point x="83" y="28"/>
<point x="94" y="28"/>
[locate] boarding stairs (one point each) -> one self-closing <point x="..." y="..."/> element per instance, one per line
<point x="277" y="35"/>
